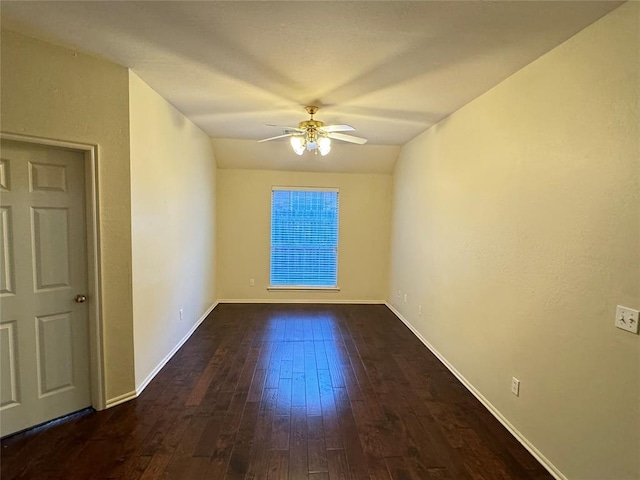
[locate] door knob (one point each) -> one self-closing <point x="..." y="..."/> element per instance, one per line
<point x="80" y="298"/>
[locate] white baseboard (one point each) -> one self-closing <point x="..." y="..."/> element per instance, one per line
<point x="125" y="397"/>
<point x="112" y="402"/>
<point x="553" y="470"/>
<point x="140" y="388"/>
<point x="304" y="300"/>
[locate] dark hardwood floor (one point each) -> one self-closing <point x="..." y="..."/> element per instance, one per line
<point x="294" y="392"/>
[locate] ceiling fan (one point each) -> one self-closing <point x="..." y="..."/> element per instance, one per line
<point x="314" y="135"/>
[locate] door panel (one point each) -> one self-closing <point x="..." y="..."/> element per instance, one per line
<point x="48" y="177"/>
<point x="51" y="246"/>
<point x="8" y="364"/>
<point x="4" y="175"/>
<point x="7" y="280"/>
<point x="44" y="336"/>
<point x="55" y="348"/>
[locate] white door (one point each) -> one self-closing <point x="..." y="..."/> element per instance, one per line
<point x="44" y="340"/>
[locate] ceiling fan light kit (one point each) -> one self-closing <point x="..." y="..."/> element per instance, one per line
<point x="314" y="136"/>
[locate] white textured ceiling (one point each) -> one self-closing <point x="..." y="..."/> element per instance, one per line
<point x="391" y="69"/>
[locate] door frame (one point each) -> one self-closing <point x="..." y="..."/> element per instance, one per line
<point x="96" y="336"/>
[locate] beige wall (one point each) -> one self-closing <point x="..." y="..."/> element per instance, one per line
<point x="516" y="225"/>
<point x="53" y="92"/>
<point x="244" y="222"/>
<point x="173" y="216"/>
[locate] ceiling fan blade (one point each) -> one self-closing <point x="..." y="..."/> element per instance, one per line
<point x="282" y="127"/>
<point x="337" y="128"/>
<point x="347" y="138"/>
<point x="275" y="138"/>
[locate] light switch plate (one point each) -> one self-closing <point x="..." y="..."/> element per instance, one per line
<point x="515" y="386"/>
<point x="627" y="319"/>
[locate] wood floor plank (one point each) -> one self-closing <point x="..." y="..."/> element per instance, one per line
<point x="283" y="405"/>
<point x="278" y="465"/>
<point x="209" y="428"/>
<point x="332" y="435"/>
<point x="267" y="391"/>
<point x="157" y="465"/>
<point x="351" y="440"/>
<point x="298" y="446"/>
<point x="407" y="468"/>
<point x="260" y="453"/>
<point x="280" y="432"/>
<point x="241" y="455"/>
<point x="338" y="465"/>
<point x="198" y="393"/>
<point x="319" y="476"/>
<point x="298" y="390"/>
<point x="316" y="449"/>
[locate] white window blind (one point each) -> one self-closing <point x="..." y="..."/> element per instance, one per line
<point x="304" y="237"/>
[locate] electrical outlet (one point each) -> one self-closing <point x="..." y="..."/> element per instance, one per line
<point x="181" y="315"/>
<point x="627" y="319"/>
<point x="515" y="386"/>
<point x="399" y="294"/>
<point x="252" y="282"/>
<point x="419" y="310"/>
<point x="405" y="298"/>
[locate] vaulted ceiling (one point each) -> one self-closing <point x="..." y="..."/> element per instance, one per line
<point x="391" y="69"/>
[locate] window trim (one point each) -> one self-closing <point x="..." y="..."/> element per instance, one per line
<point x="302" y="287"/>
<point x="288" y="188"/>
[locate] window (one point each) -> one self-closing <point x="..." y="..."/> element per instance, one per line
<point x="304" y="238"/>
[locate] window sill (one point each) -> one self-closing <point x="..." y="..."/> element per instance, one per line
<point x="300" y="287"/>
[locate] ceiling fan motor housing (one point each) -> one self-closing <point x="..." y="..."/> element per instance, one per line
<point x="311" y="128"/>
